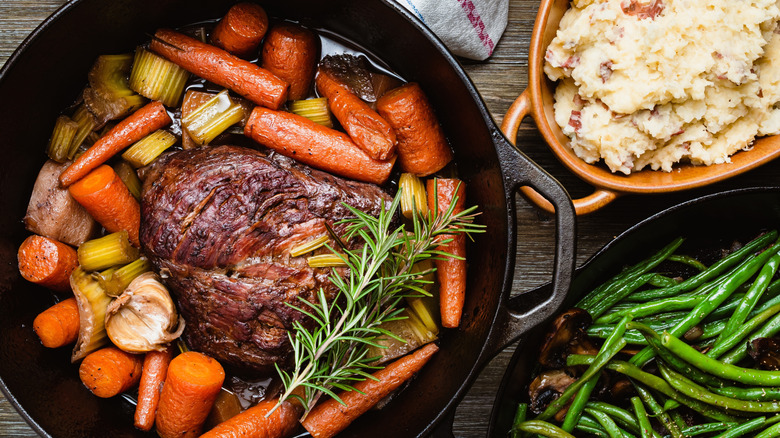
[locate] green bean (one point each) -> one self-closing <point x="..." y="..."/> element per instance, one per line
<point x="750" y="299"/>
<point x="701" y="429"/>
<point x="670" y="405"/>
<point x="663" y="387"/>
<point x="771" y="328"/>
<point x="578" y="404"/>
<point x="725" y="309"/>
<point x="744" y="428"/>
<point x="606" y="288"/>
<point x="667" y="304"/>
<point x="764" y="393"/>
<point x="620" y="415"/>
<point x="691" y="389"/>
<point x="543" y="428"/>
<point x="656" y="410"/>
<point x="677" y="418"/>
<point x="660" y="281"/>
<point x="598" y="308"/>
<point x="714" y="300"/>
<point x="770" y="432"/>
<point x="654" y="339"/>
<point x="739" y="335"/>
<point x="727" y="371"/>
<point x="606" y="422"/>
<point x="522" y="412"/>
<point x="715" y="270"/>
<point x="611" y="347"/>
<point x="599" y="432"/>
<point x="687" y="260"/>
<point x="641" y="414"/>
<point x="667" y="319"/>
<point x="604" y="330"/>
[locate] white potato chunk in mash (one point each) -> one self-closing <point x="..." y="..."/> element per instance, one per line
<point x="650" y="83"/>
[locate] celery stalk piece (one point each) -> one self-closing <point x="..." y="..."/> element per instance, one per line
<point x="122" y="277"/>
<point x="157" y="78"/>
<point x="212" y="118"/>
<point x="61" y="138"/>
<point x="105" y="252"/>
<point x="129" y="177"/>
<point x="309" y="246"/>
<point x="92" y="302"/>
<point x="413" y="195"/>
<point x="325" y="261"/>
<point x="315" y="110"/>
<point x="87" y="124"/>
<point x="145" y="150"/>
<point x="422" y="307"/>
<point x="109" y="96"/>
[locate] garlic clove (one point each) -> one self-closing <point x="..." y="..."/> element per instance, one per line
<point x="143" y="317"/>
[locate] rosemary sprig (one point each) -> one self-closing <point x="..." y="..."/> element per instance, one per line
<point x="335" y="352"/>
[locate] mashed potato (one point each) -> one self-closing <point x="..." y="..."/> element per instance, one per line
<point x="655" y="82"/>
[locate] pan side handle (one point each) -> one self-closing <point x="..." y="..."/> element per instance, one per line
<point x="516" y="317"/>
<point x="520" y="108"/>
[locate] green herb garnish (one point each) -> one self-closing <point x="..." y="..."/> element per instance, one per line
<point x="335" y="352"/>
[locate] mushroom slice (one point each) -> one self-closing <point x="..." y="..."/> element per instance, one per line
<point x="547" y="387"/>
<point x="567" y="334"/>
<point x="144" y="317"/>
<point x="766" y="352"/>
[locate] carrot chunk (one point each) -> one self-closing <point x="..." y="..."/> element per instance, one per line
<point x="365" y="127"/>
<point x="110" y="371"/>
<point x="422" y="147"/>
<point x="220" y="67"/>
<point x="191" y="386"/>
<point x="316" y="145"/>
<point x="331" y="417"/>
<point x="135" y="127"/>
<point x="152" y="377"/>
<point x="107" y="199"/>
<point x="47" y="262"/>
<point x="241" y="29"/>
<point x="256" y="423"/>
<point x="451" y="272"/>
<point x="58" y="325"/>
<point x="290" y="53"/>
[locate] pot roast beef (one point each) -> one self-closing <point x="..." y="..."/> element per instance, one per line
<point x="219" y="224"/>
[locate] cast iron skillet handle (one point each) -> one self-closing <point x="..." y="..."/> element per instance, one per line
<point x="520" y="108"/>
<point x="518" y="170"/>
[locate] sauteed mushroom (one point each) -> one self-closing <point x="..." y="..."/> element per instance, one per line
<point x="547" y="387"/>
<point x="567" y="336"/>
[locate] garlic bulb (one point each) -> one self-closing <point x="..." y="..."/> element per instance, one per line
<point x="143" y="317"/>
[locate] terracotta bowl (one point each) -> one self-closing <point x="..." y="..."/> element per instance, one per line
<point x="537" y="100"/>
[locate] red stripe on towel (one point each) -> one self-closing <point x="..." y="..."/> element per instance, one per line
<point x="476" y="22"/>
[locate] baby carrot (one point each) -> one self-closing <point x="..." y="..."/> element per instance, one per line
<point x="220" y="67"/>
<point x="331" y="417"/>
<point x="422" y="148"/>
<point x="241" y="29"/>
<point x="58" y="325"/>
<point x="316" y="145"/>
<point x="47" y="262"/>
<point x="256" y="423"/>
<point x="451" y="272"/>
<point x="152" y="377"/>
<point x="110" y="371"/>
<point x="135" y="127"/>
<point x="107" y="199"/>
<point x="365" y="127"/>
<point x="191" y="386"/>
<point x="290" y="53"/>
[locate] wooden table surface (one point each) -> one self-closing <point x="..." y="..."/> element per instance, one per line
<point x="499" y="80"/>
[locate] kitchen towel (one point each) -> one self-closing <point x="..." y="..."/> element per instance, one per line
<point x="469" y="28"/>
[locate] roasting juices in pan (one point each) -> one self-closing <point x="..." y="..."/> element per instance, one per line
<point x="218" y="217"/>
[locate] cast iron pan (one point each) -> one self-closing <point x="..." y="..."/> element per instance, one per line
<point x="45" y="76"/>
<point x="708" y="222"/>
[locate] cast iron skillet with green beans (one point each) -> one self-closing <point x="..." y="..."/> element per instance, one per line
<point x="714" y="299"/>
